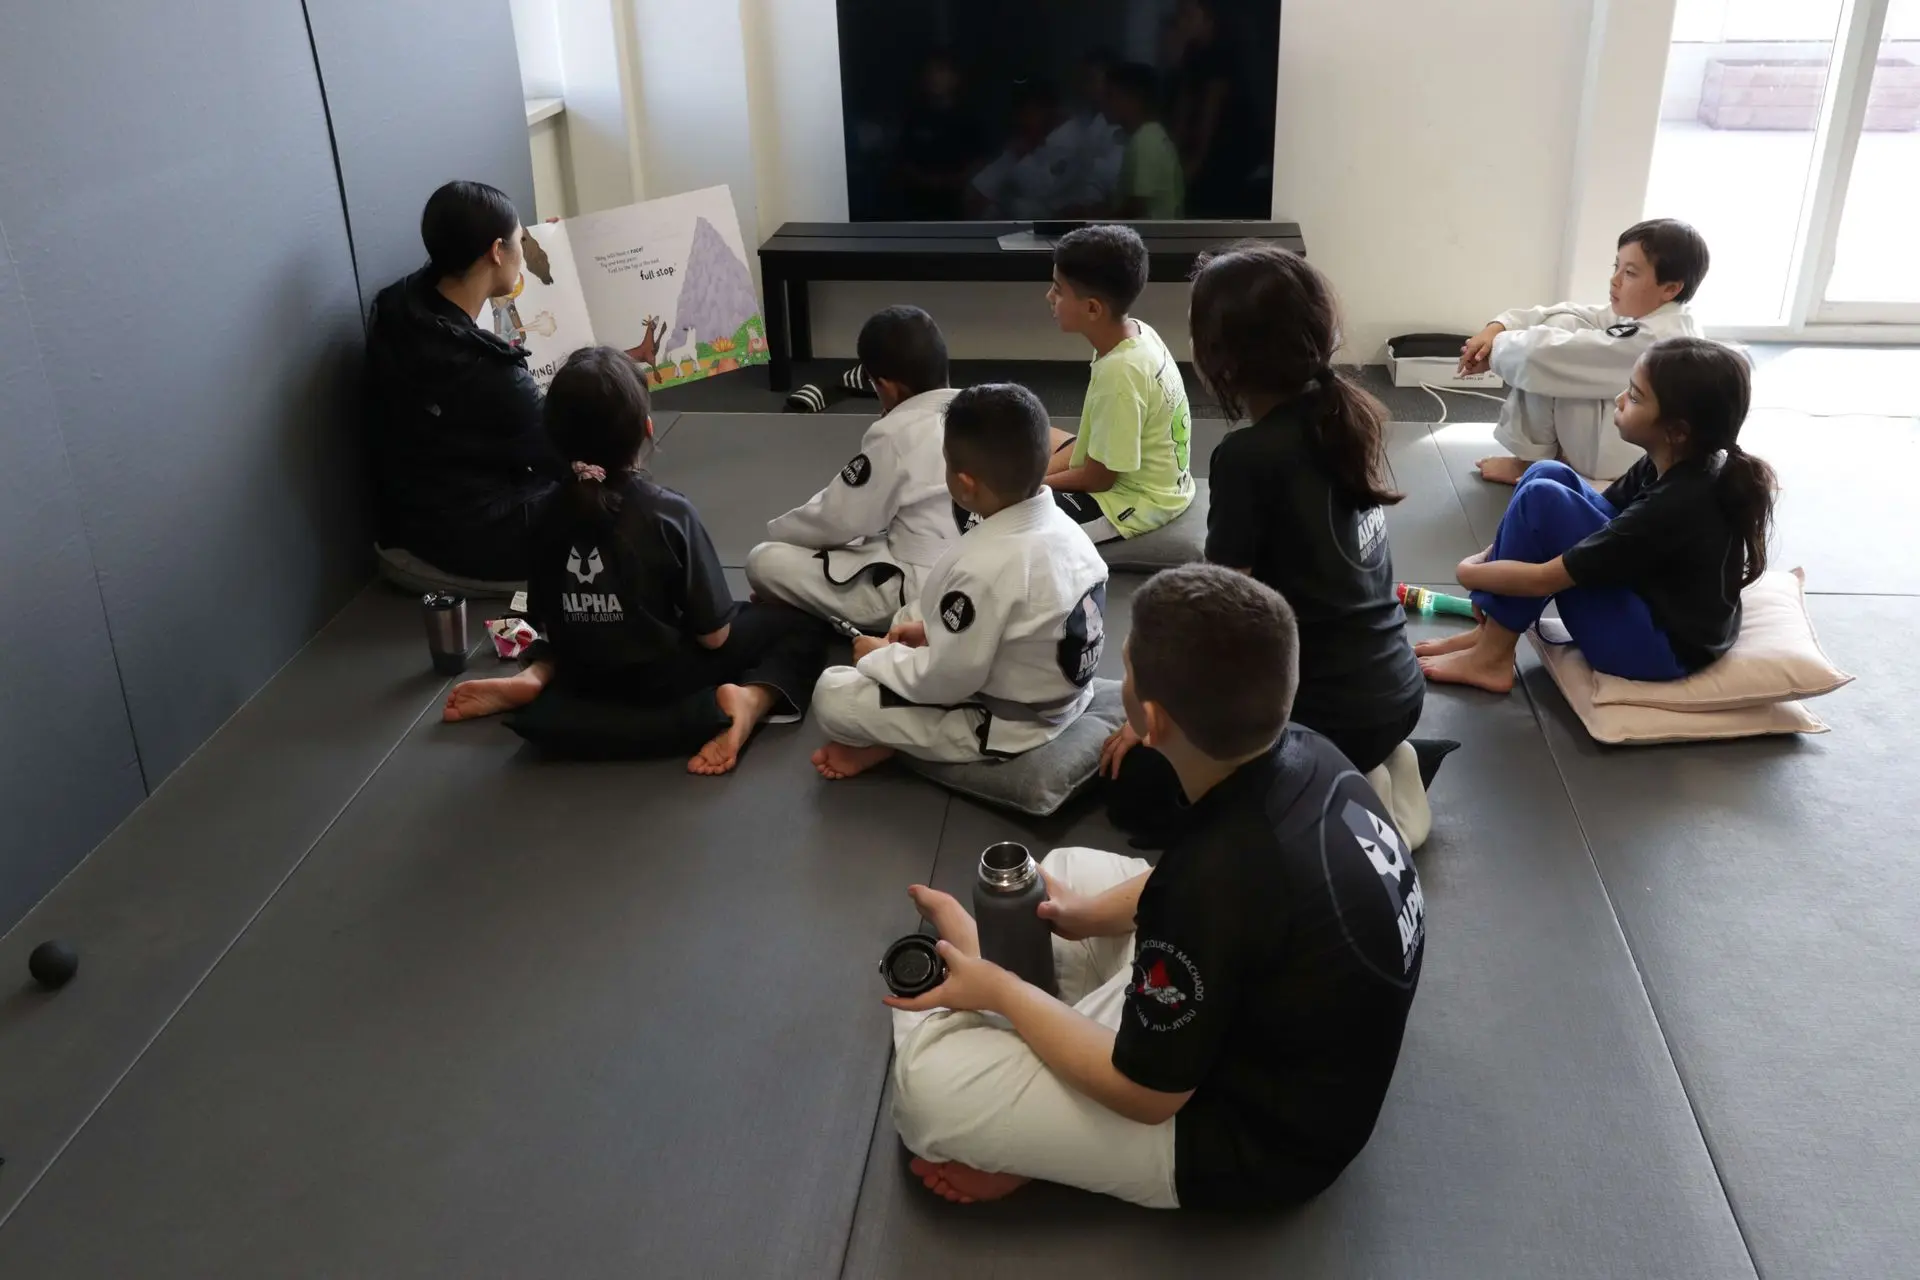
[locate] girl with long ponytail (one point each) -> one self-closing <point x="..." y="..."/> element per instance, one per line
<point x="644" y="650"/>
<point x="1299" y="498"/>
<point x="1647" y="576"/>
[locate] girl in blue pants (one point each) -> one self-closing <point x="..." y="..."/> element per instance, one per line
<point x="1647" y="576"/>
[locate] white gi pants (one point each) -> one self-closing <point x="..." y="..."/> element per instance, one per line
<point x="847" y="707"/>
<point x="797" y="576"/>
<point x="1540" y="428"/>
<point x="1397" y="782"/>
<point x="967" y="1088"/>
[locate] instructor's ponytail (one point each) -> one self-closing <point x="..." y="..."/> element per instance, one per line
<point x="597" y="414"/>
<point x="1265" y="325"/>
<point x="1703" y="389"/>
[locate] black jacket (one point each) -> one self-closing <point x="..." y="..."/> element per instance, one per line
<point x="456" y="442"/>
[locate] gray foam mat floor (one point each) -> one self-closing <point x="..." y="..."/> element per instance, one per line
<point x="396" y="998"/>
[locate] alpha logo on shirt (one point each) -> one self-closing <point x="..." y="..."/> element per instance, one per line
<point x="956" y="611"/>
<point x="1084" y="638"/>
<point x="1166" y="991"/>
<point x="964" y="520"/>
<point x="584" y="568"/>
<point x="1369" y="533"/>
<point x="591" y="606"/>
<point x="1625" y="329"/>
<point x="1390" y="860"/>
<point x="858" y="471"/>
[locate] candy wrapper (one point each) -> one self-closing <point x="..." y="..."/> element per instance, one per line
<point x="511" y="636"/>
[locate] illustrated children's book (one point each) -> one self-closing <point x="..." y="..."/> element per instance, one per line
<point x="665" y="280"/>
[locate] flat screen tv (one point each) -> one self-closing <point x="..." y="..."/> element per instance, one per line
<point x="1029" y="110"/>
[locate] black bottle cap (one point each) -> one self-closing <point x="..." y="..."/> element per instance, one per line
<point x="912" y="967"/>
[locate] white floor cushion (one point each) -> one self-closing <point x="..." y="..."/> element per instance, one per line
<point x="1627" y="724"/>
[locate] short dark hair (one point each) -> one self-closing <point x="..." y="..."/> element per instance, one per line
<point x="904" y="345"/>
<point x="1138" y="81"/>
<point x="1675" y="249"/>
<point x="1108" y="262"/>
<point x="998" y="433"/>
<point x="1219" y="651"/>
<point x="461" y="222"/>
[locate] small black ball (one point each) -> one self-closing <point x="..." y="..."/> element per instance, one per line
<point x="53" y="964"/>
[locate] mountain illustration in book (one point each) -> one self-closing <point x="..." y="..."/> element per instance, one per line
<point x="716" y="295"/>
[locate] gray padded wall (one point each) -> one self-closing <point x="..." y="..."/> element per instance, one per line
<point x="168" y="195"/>
<point x="68" y="771"/>
<point x="420" y="93"/>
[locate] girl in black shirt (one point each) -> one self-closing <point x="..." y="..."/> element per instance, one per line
<point x="1647" y="576"/>
<point x="643" y="649"/>
<point x="1298" y="502"/>
<point x="1298" y="497"/>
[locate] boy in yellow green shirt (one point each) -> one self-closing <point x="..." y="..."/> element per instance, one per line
<point x="1129" y="470"/>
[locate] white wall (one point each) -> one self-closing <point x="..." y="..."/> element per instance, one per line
<point x="1425" y="149"/>
<point x="536" y="33"/>
<point x="551" y="185"/>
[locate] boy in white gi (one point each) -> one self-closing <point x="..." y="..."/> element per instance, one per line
<point x="1228" y="1021"/>
<point x="1566" y="363"/>
<point x="860" y="549"/>
<point x="995" y="656"/>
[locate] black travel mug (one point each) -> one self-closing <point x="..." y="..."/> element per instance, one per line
<point x="912" y="967"/>
<point x="446" y="618"/>
<point x="1006" y="906"/>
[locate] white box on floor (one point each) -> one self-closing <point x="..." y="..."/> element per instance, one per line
<point x="1429" y="359"/>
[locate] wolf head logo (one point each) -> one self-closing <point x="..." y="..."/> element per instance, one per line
<point x="584" y="569"/>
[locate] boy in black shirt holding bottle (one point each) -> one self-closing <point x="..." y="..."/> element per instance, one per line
<point x="1229" y="1020"/>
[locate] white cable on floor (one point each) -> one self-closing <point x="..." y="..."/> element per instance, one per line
<point x="1434" y="391"/>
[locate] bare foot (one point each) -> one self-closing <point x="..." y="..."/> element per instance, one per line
<point x="948" y="917"/>
<point x="837" y="760"/>
<point x="1479" y="666"/>
<point x="963" y="1184"/>
<point x="1503" y="468"/>
<point x="1447" y="644"/>
<point x="478" y="698"/>
<point x="746" y="706"/>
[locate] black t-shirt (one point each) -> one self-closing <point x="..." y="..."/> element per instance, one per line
<point x="613" y="595"/>
<point x="455" y="435"/>
<point x="1274" y="512"/>
<point x="1673" y="546"/>
<point x="1277" y="947"/>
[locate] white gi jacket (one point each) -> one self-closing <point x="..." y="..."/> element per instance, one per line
<point x="1015" y="615"/>
<point x="889" y="505"/>
<point x="1566" y="363"/>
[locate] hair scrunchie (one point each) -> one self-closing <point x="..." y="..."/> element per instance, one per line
<point x="587" y="471"/>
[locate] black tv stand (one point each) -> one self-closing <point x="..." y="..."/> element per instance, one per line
<point x="800" y="253"/>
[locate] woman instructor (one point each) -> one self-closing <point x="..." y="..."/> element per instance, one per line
<point x="462" y="467"/>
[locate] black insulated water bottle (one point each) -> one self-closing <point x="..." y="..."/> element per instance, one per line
<point x="1006" y="905"/>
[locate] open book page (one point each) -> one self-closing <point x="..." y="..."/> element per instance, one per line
<point x="548" y="315"/>
<point x="667" y="282"/>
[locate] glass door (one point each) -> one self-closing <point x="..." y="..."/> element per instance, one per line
<point x="1876" y="258"/>
<point x="1789" y="135"/>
